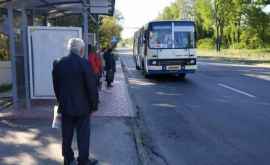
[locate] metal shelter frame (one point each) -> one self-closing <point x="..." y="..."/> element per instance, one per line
<point x="50" y="9"/>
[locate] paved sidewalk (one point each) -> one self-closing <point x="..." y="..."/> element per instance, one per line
<point x="116" y="101"/>
<point x="26" y="138"/>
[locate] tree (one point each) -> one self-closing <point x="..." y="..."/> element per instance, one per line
<point x="204" y="18"/>
<point x="230" y="23"/>
<point x="180" y="9"/>
<point x="222" y="10"/>
<point x="128" y="42"/>
<point x="110" y="27"/>
<point x="258" y="20"/>
<point x="233" y="29"/>
<point x="171" y="12"/>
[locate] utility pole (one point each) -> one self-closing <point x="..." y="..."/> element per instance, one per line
<point x="11" y="35"/>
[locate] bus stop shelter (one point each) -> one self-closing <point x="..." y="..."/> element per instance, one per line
<point x="48" y="9"/>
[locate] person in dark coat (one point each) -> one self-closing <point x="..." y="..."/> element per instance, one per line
<point x="76" y="92"/>
<point x="110" y="66"/>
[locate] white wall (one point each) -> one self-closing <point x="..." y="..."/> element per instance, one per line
<point x="5" y="72"/>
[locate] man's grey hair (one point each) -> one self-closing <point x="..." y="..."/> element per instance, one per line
<point x="75" y="45"/>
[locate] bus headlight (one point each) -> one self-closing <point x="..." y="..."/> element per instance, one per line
<point x="192" y="62"/>
<point x="154" y="62"/>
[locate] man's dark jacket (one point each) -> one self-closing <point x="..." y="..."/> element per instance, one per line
<point x="74" y="86"/>
<point x="109" y="61"/>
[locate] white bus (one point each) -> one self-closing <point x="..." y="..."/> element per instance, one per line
<point x="166" y="47"/>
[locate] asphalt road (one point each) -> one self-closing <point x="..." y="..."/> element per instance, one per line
<point x="217" y="116"/>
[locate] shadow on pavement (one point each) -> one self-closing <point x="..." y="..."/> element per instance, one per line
<point x="22" y="142"/>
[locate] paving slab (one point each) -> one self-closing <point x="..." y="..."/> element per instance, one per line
<point x="116" y="101"/>
<point x="26" y="137"/>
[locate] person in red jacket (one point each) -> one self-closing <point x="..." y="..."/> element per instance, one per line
<point x="96" y="63"/>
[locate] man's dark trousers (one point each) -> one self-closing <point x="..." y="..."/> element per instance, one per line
<point x="82" y="127"/>
<point x="76" y="91"/>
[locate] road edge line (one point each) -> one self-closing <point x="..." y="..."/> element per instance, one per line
<point x="236" y="90"/>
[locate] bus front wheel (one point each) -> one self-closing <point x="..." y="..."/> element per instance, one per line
<point x="182" y="76"/>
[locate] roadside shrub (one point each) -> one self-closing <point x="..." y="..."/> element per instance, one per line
<point x="240" y="45"/>
<point x="206" y="43"/>
<point x="255" y="43"/>
<point x="251" y="40"/>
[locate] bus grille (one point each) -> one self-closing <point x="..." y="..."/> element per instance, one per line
<point x="174" y="62"/>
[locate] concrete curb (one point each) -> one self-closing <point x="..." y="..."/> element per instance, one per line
<point x="136" y="134"/>
<point x="142" y="140"/>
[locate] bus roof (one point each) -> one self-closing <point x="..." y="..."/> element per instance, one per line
<point x="184" y="21"/>
<point x="181" y="22"/>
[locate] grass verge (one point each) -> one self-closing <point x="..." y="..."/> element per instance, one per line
<point x="260" y="57"/>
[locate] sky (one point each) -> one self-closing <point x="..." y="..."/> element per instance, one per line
<point x="137" y="13"/>
<point x="267" y="9"/>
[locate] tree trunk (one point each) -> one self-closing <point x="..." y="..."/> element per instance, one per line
<point x="238" y="30"/>
<point x="221" y="36"/>
<point x="218" y="38"/>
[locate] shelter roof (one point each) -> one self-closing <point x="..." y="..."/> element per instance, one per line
<point x="56" y="8"/>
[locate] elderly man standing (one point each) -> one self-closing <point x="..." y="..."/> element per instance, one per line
<point x="76" y="92"/>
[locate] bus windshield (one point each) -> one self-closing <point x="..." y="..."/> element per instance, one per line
<point x="160" y="36"/>
<point x="163" y="35"/>
<point x="183" y="40"/>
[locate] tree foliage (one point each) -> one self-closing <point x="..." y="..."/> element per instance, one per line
<point x="229" y="23"/>
<point x="236" y="23"/>
<point x="110" y="27"/>
<point x="171" y="12"/>
<point x="127" y="42"/>
<point x="177" y="10"/>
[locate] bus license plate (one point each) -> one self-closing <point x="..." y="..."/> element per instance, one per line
<point x="173" y="67"/>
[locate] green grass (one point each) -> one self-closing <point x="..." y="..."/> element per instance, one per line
<point x="244" y="56"/>
<point x="5" y="88"/>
